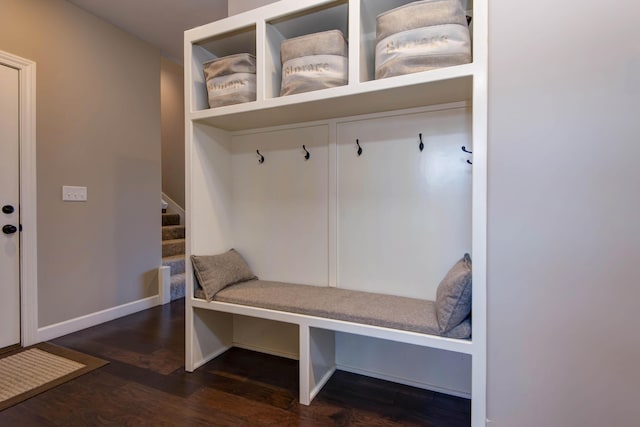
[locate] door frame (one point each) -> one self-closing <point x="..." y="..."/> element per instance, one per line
<point x="28" y="197"/>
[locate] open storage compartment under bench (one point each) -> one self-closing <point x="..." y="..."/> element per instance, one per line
<point x="392" y="219"/>
<point x="322" y="345"/>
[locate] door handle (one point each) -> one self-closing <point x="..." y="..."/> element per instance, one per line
<point x="8" y="209"/>
<point x="9" y="229"/>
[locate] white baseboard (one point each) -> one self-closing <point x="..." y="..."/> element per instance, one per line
<point x="405" y="381"/>
<point x="174" y="207"/>
<point x="73" y="325"/>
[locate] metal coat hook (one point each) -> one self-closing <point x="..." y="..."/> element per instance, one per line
<point x="307" y="154"/>
<point x="467" y="151"/>
<point x="260" y="157"/>
<point x="359" y="152"/>
<point x="421" y="146"/>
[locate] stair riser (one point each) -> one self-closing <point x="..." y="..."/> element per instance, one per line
<point x="170" y="219"/>
<point x="177" y="292"/>
<point x="172" y="232"/>
<point x="177" y="266"/>
<point x="177" y="287"/>
<point x="172" y="248"/>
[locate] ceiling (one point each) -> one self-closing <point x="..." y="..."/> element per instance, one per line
<point x="160" y="23"/>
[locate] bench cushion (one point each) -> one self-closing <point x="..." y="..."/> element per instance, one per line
<point x="453" y="297"/>
<point x="408" y="314"/>
<point x="214" y="272"/>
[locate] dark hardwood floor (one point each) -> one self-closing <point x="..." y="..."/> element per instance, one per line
<point x="145" y="384"/>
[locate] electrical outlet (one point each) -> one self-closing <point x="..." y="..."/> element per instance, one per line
<point x="74" y="194"/>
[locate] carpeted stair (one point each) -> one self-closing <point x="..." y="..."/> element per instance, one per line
<point x="173" y="252"/>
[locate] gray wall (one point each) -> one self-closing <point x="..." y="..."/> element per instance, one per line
<point x="172" y="107"/>
<point x="564" y="239"/>
<point x="237" y="6"/>
<point x="98" y="125"/>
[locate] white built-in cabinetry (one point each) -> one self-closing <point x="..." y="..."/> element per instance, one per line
<point x="392" y="220"/>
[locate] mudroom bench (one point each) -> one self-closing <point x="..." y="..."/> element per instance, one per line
<point x="321" y="311"/>
<point x="374" y="185"/>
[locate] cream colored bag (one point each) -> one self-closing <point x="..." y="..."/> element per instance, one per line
<point x="231" y="79"/>
<point x="314" y="61"/>
<point x="421" y="36"/>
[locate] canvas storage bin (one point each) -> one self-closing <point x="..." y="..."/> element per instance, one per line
<point x="421" y="36"/>
<point x="231" y="79"/>
<point x="313" y="61"/>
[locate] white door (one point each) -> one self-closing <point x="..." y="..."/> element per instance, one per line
<point x="9" y="208"/>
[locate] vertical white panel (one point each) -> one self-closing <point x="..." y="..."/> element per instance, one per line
<point x="322" y="356"/>
<point x="479" y="35"/>
<point x="304" y="366"/>
<point x="368" y="12"/>
<point x="280" y="207"/>
<point x="333" y="204"/>
<point x="209" y="215"/>
<point x="199" y="96"/>
<point x="272" y="65"/>
<point x="354" y="37"/>
<point x="207" y="232"/>
<point x="404" y="216"/>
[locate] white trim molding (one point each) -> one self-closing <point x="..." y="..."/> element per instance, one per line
<point x="164" y="284"/>
<point x="28" y="197"/>
<point x="72" y="325"/>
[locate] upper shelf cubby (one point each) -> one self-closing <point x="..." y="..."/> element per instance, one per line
<point x="328" y="16"/>
<point x="241" y="40"/>
<point x="369" y="11"/>
<point x="261" y="32"/>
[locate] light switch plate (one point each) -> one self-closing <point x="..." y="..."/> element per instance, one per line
<point x="74" y="194"/>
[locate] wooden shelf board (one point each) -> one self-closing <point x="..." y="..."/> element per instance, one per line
<point x="370" y="97"/>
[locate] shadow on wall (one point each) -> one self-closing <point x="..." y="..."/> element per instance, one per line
<point x="172" y="130"/>
<point x="137" y="220"/>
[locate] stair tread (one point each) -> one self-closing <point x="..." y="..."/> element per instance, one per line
<point x="173" y="227"/>
<point x="170" y="258"/>
<point x="179" y="278"/>
<point x="172" y="241"/>
<point x="177" y="263"/>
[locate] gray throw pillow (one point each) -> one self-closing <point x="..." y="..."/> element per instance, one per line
<point x="453" y="298"/>
<point x="215" y="272"/>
